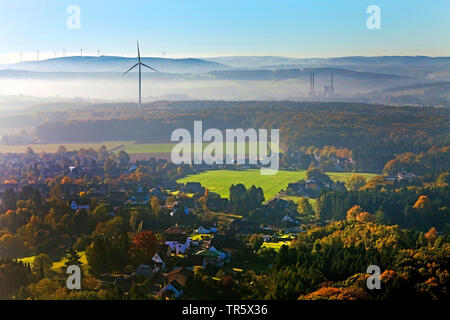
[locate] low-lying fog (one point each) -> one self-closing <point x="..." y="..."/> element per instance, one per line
<point x="127" y="89"/>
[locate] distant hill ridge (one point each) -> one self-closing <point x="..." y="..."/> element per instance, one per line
<point x="116" y="64"/>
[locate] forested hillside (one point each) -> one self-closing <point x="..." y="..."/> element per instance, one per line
<point x="374" y="133"/>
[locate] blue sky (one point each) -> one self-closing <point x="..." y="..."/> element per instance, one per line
<point x="204" y="28"/>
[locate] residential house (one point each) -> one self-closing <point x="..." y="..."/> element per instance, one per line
<point x="181" y="275"/>
<point x="179" y="243"/>
<point x="403" y="175"/>
<point x="161" y="256"/>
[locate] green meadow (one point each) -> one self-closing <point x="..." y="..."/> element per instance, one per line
<point x="139" y="148"/>
<point x="59" y="265"/>
<point x="275" y="245"/>
<point x="219" y="181"/>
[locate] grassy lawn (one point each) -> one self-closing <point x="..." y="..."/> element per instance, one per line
<point x="343" y="176"/>
<point x="219" y="181"/>
<point x="313" y="202"/>
<point x="275" y="245"/>
<point x="58" y="265"/>
<point x="200" y="237"/>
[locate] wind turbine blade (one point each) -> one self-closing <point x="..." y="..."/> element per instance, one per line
<point x="130" y="69"/>
<point x="149" y="67"/>
<point x="139" y="53"/>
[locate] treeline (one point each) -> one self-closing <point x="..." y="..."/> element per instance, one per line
<point x="433" y="159"/>
<point x="331" y="263"/>
<point x="414" y="208"/>
<point x="373" y="133"/>
<point x="245" y="201"/>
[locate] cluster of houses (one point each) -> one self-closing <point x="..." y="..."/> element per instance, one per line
<point x="340" y="164"/>
<point x="173" y="263"/>
<point x="183" y="247"/>
<point x="402" y="176"/>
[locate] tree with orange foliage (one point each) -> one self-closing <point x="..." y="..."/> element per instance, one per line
<point x="431" y="235"/>
<point x="144" y="246"/>
<point x="423" y="204"/>
<point x="364" y="217"/>
<point x="353" y="212"/>
<point x="66" y="180"/>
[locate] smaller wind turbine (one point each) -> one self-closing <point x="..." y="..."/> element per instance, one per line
<point x="139" y="64"/>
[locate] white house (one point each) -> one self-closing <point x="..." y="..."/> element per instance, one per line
<point x="178" y="244"/>
<point x="158" y="261"/>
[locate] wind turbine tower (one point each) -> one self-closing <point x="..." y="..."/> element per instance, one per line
<point x="139" y="64"/>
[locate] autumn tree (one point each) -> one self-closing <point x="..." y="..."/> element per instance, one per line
<point x="155" y="205"/>
<point x="431" y="235"/>
<point x="364" y="217"/>
<point x="353" y="212"/>
<point x="423" y="204"/>
<point x="143" y="246"/>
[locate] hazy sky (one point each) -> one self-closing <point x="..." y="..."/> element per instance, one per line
<point x="204" y="28"/>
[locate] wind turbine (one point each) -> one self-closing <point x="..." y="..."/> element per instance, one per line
<point x="139" y="63"/>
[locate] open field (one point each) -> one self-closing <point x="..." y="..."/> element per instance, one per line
<point x="139" y="148"/>
<point x="343" y="176"/>
<point x="52" y="148"/>
<point x="142" y="148"/>
<point x="219" y="181"/>
<point x="58" y="265"/>
<point x="275" y="245"/>
<point x="137" y="151"/>
<point x="313" y="202"/>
